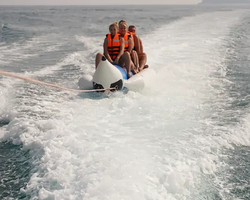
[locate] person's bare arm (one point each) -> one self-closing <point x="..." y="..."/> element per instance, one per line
<point x="141" y="46"/>
<point x="106" y="53"/>
<point x="137" y="44"/>
<point x="121" y="51"/>
<point x="130" y="44"/>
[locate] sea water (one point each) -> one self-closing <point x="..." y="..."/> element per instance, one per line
<point x="186" y="136"/>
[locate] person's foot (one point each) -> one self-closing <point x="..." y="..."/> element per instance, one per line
<point x="145" y="67"/>
<point x="129" y="75"/>
<point x="135" y="71"/>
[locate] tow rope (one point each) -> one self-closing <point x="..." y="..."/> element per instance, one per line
<point x="51" y="85"/>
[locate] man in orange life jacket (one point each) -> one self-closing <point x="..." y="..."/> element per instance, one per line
<point x="138" y="48"/>
<point x="128" y="47"/>
<point x="113" y="46"/>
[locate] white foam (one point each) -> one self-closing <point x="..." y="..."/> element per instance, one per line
<point x="18" y="51"/>
<point x="31" y="48"/>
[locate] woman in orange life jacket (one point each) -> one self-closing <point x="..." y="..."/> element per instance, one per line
<point x="138" y="48"/>
<point x="113" y="46"/>
<point x="125" y="60"/>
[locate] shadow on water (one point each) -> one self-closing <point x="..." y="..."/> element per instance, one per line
<point x="99" y="95"/>
<point x="4" y="120"/>
<point x="92" y="95"/>
<point x="15" y="171"/>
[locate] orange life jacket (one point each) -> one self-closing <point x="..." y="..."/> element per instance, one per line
<point x="131" y="33"/>
<point x="113" y="45"/>
<point x="126" y="38"/>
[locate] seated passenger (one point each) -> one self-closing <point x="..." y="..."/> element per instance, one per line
<point x="113" y="46"/>
<point x="125" y="60"/>
<point x="138" y="48"/>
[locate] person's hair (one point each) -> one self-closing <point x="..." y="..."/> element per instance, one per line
<point x="131" y="26"/>
<point x="123" y="22"/>
<point x="114" y="24"/>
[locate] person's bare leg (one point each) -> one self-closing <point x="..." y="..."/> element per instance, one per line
<point x="142" y="61"/>
<point x="135" y="59"/>
<point x="98" y="59"/>
<point x="138" y="44"/>
<point x="128" y="62"/>
<point x="133" y="68"/>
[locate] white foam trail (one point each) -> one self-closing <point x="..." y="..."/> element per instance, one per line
<point x="3" y="97"/>
<point x="87" y="57"/>
<point x="31" y="48"/>
<point x="17" y="51"/>
<point x="151" y="145"/>
<point x="75" y="58"/>
<point x="89" y="41"/>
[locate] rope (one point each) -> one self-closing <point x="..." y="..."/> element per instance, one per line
<point x="49" y="84"/>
